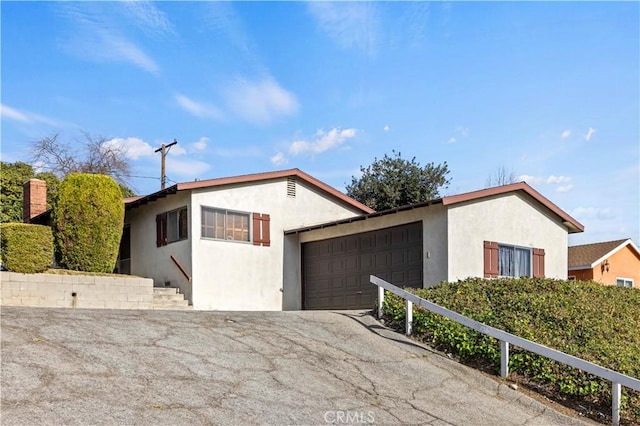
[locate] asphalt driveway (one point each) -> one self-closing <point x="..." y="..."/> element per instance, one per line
<point x="105" y="367"/>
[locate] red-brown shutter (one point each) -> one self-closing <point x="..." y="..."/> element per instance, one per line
<point x="261" y="229"/>
<point x="538" y="263"/>
<point x="256" y="229"/>
<point x="266" y="233"/>
<point x="490" y="259"/>
<point x="161" y="230"/>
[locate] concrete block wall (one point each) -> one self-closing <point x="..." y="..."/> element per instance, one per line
<point x="75" y="291"/>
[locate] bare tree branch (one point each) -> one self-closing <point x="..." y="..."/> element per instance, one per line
<point x="501" y="176"/>
<point x="98" y="157"/>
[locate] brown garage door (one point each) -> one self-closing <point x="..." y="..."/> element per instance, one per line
<point x="336" y="271"/>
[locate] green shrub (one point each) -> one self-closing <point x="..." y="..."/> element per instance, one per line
<point x="87" y="223"/>
<point x="597" y="323"/>
<point x="26" y="248"/>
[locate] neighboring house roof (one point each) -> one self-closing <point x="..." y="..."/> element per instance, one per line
<point x="572" y="225"/>
<point x="134" y="202"/>
<point x="587" y="256"/>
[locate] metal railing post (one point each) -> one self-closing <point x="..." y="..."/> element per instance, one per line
<point x="380" y="301"/>
<point x="408" y="318"/>
<point x="504" y="359"/>
<point x="615" y="403"/>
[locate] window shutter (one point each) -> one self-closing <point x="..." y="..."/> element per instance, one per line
<point x="266" y="233"/>
<point x="256" y="229"/>
<point x="490" y="259"/>
<point x="161" y="230"/>
<point x="261" y="231"/>
<point x="538" y="263"/>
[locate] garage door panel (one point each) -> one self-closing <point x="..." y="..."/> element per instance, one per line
<point x="346" y="263"/>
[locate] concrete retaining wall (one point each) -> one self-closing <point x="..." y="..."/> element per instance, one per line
<point x="75" y="291"/>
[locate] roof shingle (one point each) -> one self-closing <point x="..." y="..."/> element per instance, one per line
<point x="587" y="254"/>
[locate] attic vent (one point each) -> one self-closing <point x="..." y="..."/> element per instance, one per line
<point x="291" y="186"/>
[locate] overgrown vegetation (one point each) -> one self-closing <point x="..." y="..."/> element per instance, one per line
<point x="12" y="178"/>
<point x="597" y="323"/>
<point x="26" y="248"/>
<point x="88" y="220"/>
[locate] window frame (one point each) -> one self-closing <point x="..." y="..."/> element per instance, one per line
<point x="515" y="247"/>
<point x="225" y="230"/>
<point x="165" y="229"/>
<point x="624" y="282"/>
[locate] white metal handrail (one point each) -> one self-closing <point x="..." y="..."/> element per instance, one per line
<point x="617" y="379"/>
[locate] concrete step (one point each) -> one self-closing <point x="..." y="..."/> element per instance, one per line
<point x="169" y="298"/>
<point x="165" y="290"/>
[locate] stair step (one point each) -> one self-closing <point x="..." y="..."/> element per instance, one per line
<point x="169" y="298"/>
<point x="165" y="290"/>
<point x="160" y="297"/>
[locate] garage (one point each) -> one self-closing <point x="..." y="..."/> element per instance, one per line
<point x="335" y="272"/>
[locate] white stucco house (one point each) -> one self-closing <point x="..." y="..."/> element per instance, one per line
<point x="285" y="241"/>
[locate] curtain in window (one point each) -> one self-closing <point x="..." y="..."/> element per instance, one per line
<point x="505" y="261"/>
<point x="522" y="262"/>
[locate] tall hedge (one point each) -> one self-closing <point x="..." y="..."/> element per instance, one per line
<point x="87" y="223"/>
<point x="26" y="248"/>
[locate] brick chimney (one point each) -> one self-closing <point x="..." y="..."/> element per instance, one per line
<point x="34" y="199"/>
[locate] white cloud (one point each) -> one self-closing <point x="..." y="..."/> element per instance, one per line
<point x="386" y="128"/>
<point x="590" y="133"/>
<point x="260" y="102"/>
<point x="13" y="114"/>
<point x="322" y="141"/>
<point x="186" y="169"/>
<point x="564" y="188"/>
<point x="148" y="17"/>
<point x="92" y="37"/>
<point x="25" y="116"/>
<point x="587" y="213"/>
<point x="565" y="134"/>
<point x="199" y="109"/>
<point x="462" y="131"/>
<point x="452" y="140"/>
<point x="549" y="180"/>
<point x="278" y="159"/>
<point x="558" y="179"/>
<point x="531" y="180"/>
<point x="201" y="144"/>
<point x="350" y="25"/>
<point x="132" y="148"/>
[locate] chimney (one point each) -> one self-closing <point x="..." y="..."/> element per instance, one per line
<point x="34" y="200"/>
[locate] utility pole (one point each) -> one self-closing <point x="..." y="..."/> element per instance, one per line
<point x="164" y="149"/>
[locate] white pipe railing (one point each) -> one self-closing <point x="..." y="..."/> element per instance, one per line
<point x="617" y="379"/>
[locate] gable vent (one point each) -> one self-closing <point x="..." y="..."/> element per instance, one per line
<point x="291" y="186"/>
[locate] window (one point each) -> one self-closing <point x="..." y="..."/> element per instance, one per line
<point x="172" y="226"/>
<point x="624" y="282"/>
<point x="225" y="224"/>
<point x="512" y="261"/>
<point x="235" y="226"/>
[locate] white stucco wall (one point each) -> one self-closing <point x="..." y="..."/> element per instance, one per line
<point x="229" y="275"/>
<point x="434" y="236"/>
<point x="509" y="219"/>
<point x="150" y="261"/>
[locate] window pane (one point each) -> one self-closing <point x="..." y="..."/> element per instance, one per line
<point x="505" y="261"/>
<point x="183" y="228"/>
<point x="219" y="224"/>
<point x="522" y="266"/>
<point x="172" y="226"/>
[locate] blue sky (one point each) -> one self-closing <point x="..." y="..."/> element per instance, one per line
<point x="547" y="90"/>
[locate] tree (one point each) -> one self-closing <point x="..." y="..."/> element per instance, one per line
<point x="87" y="223"/>
<point x="98" y="156"/>
<point x="12" y="178"/>
<point x="501" y="176"/>
<point x="394" y="181"/>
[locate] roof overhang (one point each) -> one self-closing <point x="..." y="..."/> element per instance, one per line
<point x="572" y="225"/>
<point x="256" y="177"/>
